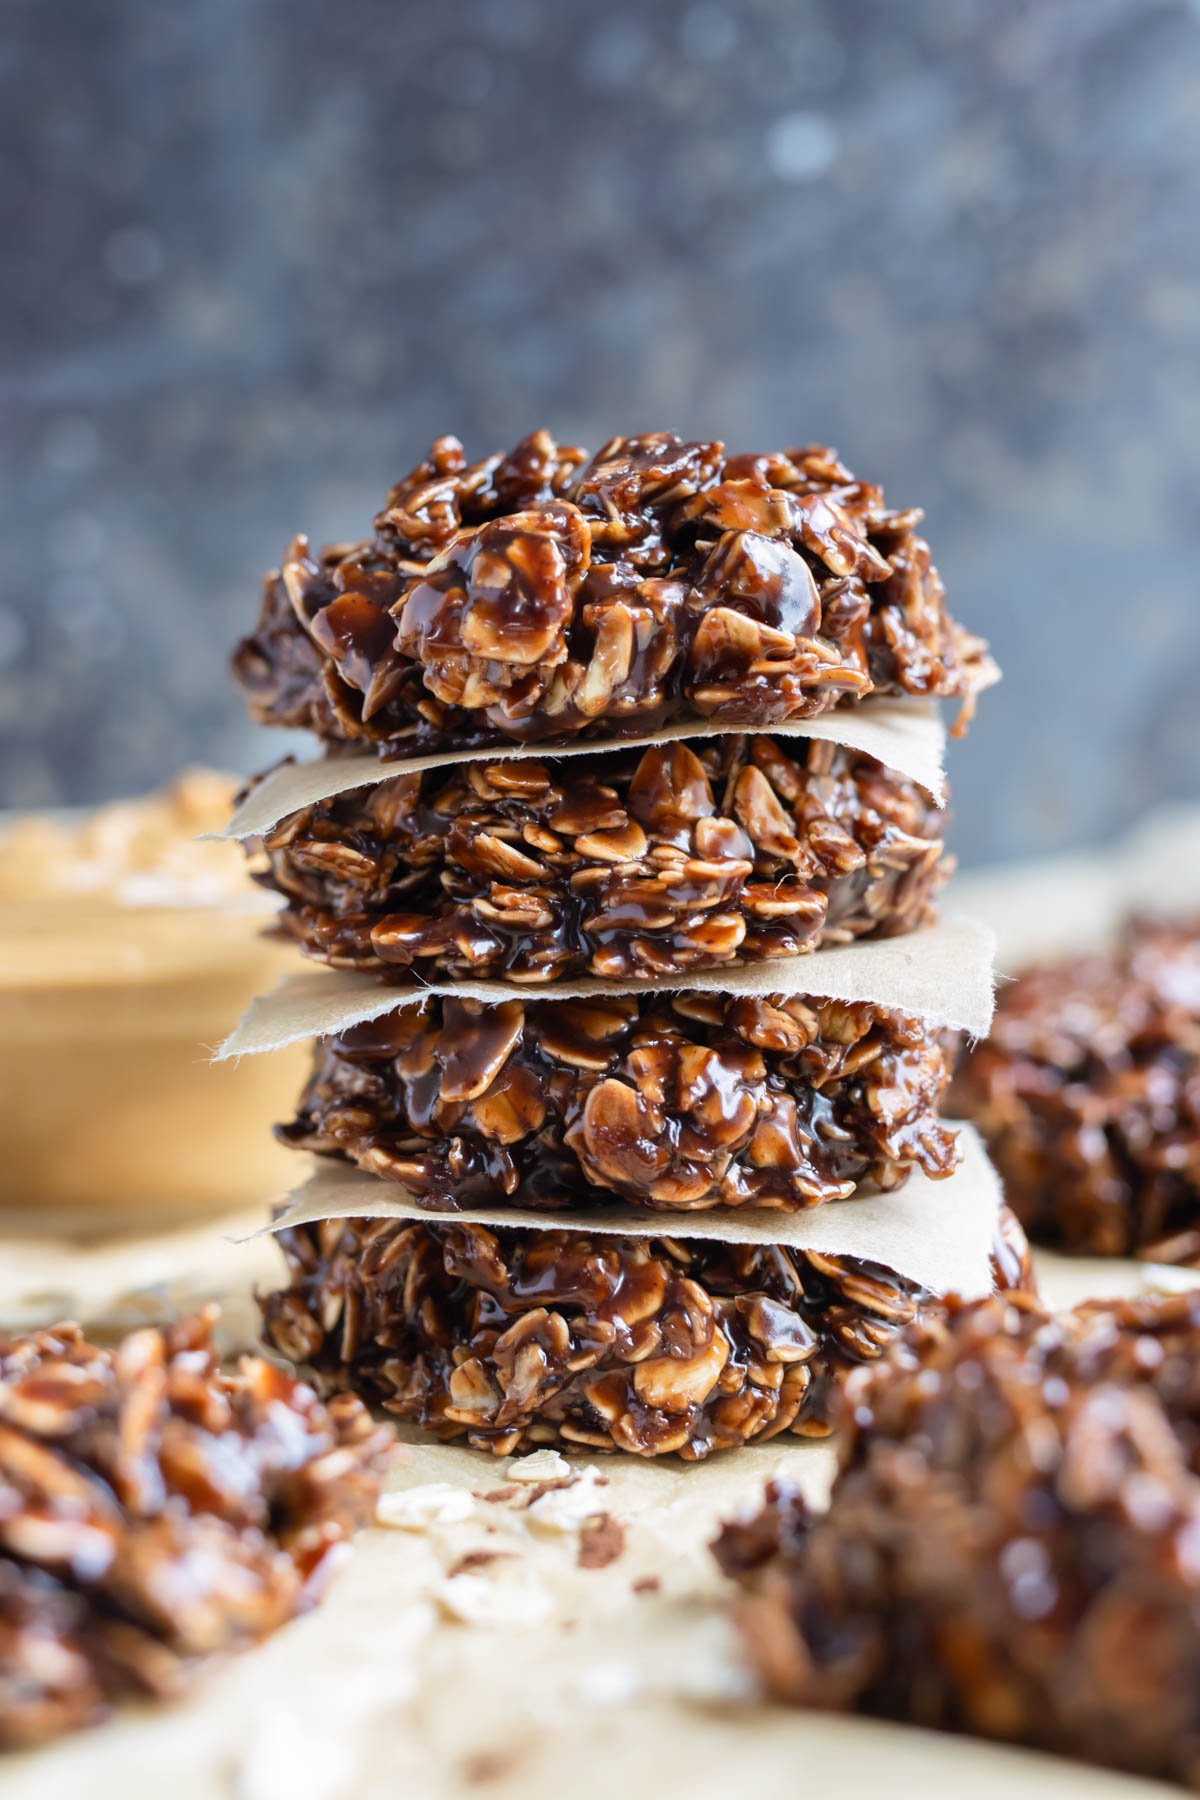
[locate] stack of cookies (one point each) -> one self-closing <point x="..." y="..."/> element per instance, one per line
<point x="621" y="860"/>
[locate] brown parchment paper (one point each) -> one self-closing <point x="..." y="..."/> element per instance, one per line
<point x="905" y="735"/>
<point x="943" y="974"/>
<point x="116" y="1285"/>
<point x="936" y="1233"/>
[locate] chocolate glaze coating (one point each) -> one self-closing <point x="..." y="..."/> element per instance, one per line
<point x="537" y="597"/>
<point x="634" y="863"/>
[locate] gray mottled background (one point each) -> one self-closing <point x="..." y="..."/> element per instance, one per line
<point x="258" y="252"/>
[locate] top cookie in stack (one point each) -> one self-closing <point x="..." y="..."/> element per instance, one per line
<point x="651" y="735"/>
<point x="542" y="598"/>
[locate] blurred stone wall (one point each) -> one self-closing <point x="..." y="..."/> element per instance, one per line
<point x="258" y="252"/>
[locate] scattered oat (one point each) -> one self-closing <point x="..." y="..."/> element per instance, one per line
<point x="609" y="1684"/>
<point x="1162" y="1278"/>
<point x="293" y="1756"/>
<point x="708" y="1666"/>
<point x="478" y="1600"/>
<point x="601" y="1541"/>
<point x="417" y="1508"/>
<point x="565" y="1506"/>
<point x="542" y="1465"/>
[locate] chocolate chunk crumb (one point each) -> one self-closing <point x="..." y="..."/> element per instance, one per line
<point x="489" y="1765"/>
<point x="601" y="1541"/>
<point x="478" y="1559"/>
<point x="536" y="1489"/>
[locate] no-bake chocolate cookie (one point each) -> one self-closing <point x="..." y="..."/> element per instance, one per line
<point x="154" y="1511"/>
<point x="1011" y="1544"/>
<point x="672" y="1100"/>
<point x="513" y="1338"/>
<point x="681" y="856"/>
<point x="539" y="596"/>
<point x="1088" y="1094"/>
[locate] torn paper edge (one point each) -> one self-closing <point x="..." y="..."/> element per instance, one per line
<point x="942" y="973"/>
<point x="938" y="1234"/>
<point x="907" y="736"/>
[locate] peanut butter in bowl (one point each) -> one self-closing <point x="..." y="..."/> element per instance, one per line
<point x="127" y="948"/>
